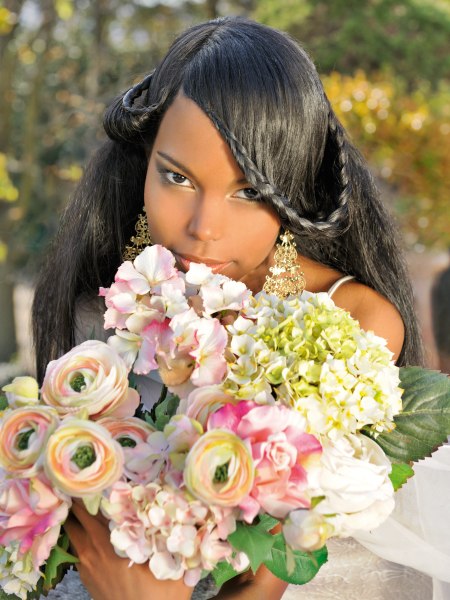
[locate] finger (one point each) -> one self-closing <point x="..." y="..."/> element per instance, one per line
<point x="87" y="520"/>
<point x="76" y="534"/>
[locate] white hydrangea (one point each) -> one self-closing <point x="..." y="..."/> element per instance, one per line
<point x="17" y="575"/>
<point x="315" y="358"/>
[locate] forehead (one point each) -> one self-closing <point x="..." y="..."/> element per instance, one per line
<point x="188" y="135"/>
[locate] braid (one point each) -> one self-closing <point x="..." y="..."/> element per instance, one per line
<point x="337" y="132"/>
<point x="133" y="93"/>
<point x="332" y="226"/>
<point x="126" y="120"/>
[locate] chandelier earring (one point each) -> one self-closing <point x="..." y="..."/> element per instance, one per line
<point x="287" y="278"/>
<point x="140" y="240"/>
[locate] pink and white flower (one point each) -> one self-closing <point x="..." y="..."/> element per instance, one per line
<point x="287" y="459"/>
<point x="91" y="376"/>
<point x="82" y="459"/>
<point x="154" y="266"/>
<point x="23" y="435"/>
<point x="204" y="401"/>
<point x="31" y="514"/>
<point x="132" y="434"/>
<point x="219" y="469"/>
<point x="178" y="535"/>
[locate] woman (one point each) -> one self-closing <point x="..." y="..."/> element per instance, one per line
<point x="228" y="143"/>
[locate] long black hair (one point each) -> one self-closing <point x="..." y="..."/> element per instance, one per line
<point x="262" y="92"/>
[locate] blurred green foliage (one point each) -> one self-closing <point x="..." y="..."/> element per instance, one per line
<point x="63" y="60"/>
<point x="411" y="37"/>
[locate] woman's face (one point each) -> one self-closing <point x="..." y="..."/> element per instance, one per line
<point x="198" y="202"/>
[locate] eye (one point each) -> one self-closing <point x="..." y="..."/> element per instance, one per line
<point x="174" y="178"/>
<point x="248" y="194"/>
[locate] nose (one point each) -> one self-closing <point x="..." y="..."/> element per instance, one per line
<point x="207" y="220"/>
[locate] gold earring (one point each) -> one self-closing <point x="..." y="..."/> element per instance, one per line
<point x="287" y="277"/>
<point x="139" y="241"/>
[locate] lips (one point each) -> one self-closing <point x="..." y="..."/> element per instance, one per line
<point x="185" y="260"/>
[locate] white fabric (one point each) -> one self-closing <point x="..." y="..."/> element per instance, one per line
<point x="418" y="532"/>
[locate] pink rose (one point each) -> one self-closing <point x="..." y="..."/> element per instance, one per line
<point x="31" y="514"/>
<point x="286" y="458"/>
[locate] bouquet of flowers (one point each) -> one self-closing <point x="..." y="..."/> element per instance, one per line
<point x="281" y="423"/>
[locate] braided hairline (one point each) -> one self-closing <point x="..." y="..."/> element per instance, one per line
<point x="280" y="202"/>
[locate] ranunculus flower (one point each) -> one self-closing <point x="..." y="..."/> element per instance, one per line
<point x="22" y="391"/>
<point x="286" y="458"/>
<point x="23" y="435"/>
<point x="132" y="434"/>
<point x="219" y="469"/>
<point x="355" y="482"/>
<point x="204" y="401"/>
<point x="91" y="376"/>
<point x="31" y="514"/>
<point x="82" y="459"/>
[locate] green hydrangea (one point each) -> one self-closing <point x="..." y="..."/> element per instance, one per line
<point x="313" y="356"/>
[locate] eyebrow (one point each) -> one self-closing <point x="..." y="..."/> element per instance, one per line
<point x="180" y="166"/>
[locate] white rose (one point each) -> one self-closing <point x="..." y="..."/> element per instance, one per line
<point x="356" y="485"/>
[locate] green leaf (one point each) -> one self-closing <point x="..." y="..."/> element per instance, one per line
<point x="254" y="541"/>
<point x="222" y="573"/>
<point x="400" y="474"/>
<point x="165" y="410"/>
<point x="266" y="522"/>
<point x="306" y="565"/>
<point x="3" y="402"/>
<point x="58" y="556"/>
<point x="424" y="423"/>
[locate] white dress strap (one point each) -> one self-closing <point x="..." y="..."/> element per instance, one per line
<point x="337" y="284"/>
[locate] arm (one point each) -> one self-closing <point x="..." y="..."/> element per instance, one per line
<point x="106" y="575"/>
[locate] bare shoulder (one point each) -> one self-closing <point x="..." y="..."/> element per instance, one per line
<point x="373" y="311"/>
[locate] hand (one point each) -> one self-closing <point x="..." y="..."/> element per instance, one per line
<point x="106" y="575"/>
<point x="261" y="586"/>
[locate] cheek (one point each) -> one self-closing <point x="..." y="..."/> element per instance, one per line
<point x="257" y="235"/>
<point x="163" y="217"/>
